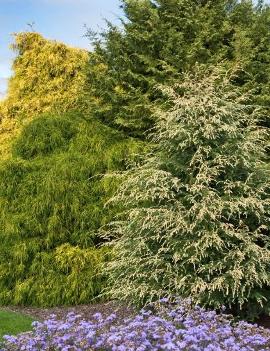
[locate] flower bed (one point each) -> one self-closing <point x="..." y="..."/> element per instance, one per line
<point x="164" y="326"/>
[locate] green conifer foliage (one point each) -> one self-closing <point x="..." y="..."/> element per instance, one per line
<point x="159" y="40"/>
<point x="197" y="211"/>
<point x="45" y="135"/>
<point x="47" y="76"/>
<point x="52" y="196"/>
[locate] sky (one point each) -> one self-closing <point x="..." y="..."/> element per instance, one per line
<point x="62" y="20"/>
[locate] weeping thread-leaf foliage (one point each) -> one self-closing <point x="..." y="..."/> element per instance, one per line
<point x="197" y="212"/>
<point x="47" y="76"/>
<point x="45" y="135"/>
<point x="52" y="189"/>
<point x="52" y="196"/>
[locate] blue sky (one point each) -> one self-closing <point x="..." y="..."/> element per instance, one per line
<point x="61" y="20"/>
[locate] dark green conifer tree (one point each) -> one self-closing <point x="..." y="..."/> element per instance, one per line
<point x="159" y="40"/>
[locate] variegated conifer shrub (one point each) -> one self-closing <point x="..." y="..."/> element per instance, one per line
<point x="196" y="218"/>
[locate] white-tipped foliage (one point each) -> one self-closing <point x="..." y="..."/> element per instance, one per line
<point x="196" y="220"/>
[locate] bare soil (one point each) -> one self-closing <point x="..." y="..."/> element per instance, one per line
<point x="263" y="321"/>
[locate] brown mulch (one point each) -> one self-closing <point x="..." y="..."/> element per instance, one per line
<point x="85" y="311"/>
<point x="263" y="321"/>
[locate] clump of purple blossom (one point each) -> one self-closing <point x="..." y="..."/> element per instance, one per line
<point x="164" y="326"/>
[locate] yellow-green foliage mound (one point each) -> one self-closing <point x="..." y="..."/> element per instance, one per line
<point x="53" y="188"/>
<point x="48" y="76"/>
<point x="52" y="196"/>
